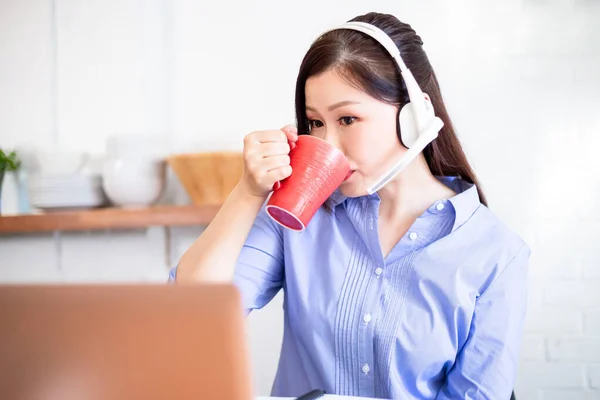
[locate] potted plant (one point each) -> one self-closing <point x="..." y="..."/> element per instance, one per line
<point x="8" y="162"/>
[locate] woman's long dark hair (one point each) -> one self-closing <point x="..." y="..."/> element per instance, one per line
<point x="366" y="64"/>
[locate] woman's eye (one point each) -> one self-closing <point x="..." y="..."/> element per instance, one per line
<point x="314" y="123"/>
<point x="347" y="120"/>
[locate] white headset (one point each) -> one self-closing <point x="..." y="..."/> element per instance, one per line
<point x="418" y="124"/>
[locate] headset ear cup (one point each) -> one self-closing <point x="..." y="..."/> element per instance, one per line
<point x="408" y="126"/>
<point x="409" y="129"/>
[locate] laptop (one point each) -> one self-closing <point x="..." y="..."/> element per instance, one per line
<point x="99" y="342"/>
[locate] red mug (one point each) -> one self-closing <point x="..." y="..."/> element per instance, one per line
<point x="318" y="169"/>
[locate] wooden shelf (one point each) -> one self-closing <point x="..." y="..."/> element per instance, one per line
<point x="108" y="218"/>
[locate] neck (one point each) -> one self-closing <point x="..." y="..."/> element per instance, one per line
<point x="412" y="192"/>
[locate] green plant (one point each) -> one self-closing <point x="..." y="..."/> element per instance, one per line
<point x="10" y="161"/>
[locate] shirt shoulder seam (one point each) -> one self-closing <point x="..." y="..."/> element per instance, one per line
<point x="508" y="264"/>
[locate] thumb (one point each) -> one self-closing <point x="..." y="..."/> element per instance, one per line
<point x="292" y="134"/>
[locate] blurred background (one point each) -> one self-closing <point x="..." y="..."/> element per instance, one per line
<point x="92" y="92"/>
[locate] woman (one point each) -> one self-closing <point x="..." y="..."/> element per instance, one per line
<point x="415" y="292"/>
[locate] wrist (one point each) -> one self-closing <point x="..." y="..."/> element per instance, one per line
<point x="241" y="193"/>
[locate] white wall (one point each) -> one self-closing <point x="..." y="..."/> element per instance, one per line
<point x="521" y="79"/>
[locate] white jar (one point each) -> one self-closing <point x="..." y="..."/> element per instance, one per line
<point x="133" y="182"/>
<point x="133" y="178"/>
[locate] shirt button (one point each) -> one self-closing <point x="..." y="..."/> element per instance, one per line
<point x="440" y="206"/>
<point x="367" y="318"/>
<point x="365" y="368"/>
<point x="413" y="235"/>
<point x="378" y="271"/>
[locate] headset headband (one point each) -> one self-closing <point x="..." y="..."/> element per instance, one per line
<point x="414" y="91"/>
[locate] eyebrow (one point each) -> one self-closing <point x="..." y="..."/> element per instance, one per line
<point x="336" y="105"/>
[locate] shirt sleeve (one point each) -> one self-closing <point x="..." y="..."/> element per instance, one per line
<point x="486" y="366"/>
<point x="259" y="271"/>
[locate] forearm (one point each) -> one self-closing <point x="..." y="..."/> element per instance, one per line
<point x="213" y="256"/>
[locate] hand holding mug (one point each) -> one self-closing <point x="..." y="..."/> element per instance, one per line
<point x="266" y="159"/>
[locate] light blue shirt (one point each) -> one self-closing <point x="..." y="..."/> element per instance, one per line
<point x="440" y="317"/>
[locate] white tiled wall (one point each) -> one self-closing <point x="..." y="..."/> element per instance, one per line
<point x="521" y="79"/>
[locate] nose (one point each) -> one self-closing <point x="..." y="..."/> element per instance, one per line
<point x="333" y="138"/>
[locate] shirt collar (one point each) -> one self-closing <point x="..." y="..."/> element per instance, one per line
<point x="337" y="198"/>
<point x="465" y="202"/>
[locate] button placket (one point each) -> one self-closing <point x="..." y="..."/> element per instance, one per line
<point x="366" y="357"/>
<point x="366" y="369"/>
